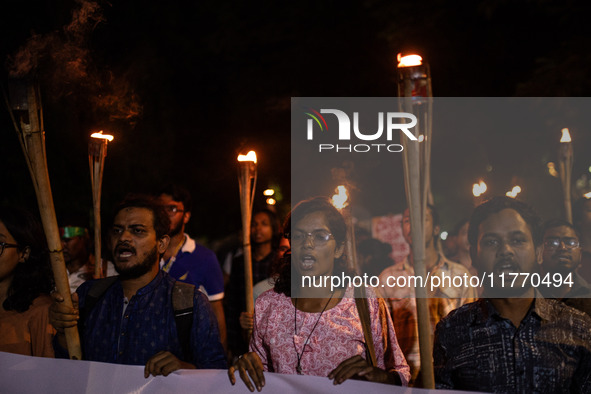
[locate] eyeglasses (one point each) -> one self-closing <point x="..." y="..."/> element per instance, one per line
<point x="554" y="243"/>
<point x="172" y="210"/>
<point x="4" y="245"/>
<point x="319" y="237"/>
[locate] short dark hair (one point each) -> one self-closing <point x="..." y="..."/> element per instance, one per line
<point x="335" y="220"/>
<point x="497" y="204"/>
<point x="552" y="223"/>
<point x="34" y="276"/>
<point x="275" y="226"/>
<point x="178" y="193"/>
<point x="337" y="227"/>
<point x="161" y="221"/>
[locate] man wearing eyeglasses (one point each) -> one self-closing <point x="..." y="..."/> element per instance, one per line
<point x="561" y="256"/>
<point x="186" y="260"/>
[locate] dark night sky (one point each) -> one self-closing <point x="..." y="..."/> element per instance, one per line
<point x="214" y="78"/>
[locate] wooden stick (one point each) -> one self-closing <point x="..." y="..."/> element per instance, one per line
<point x="32" y="139"/>
<point x="96" y="159"/>
<point x="416" y="163"/>
<point x="565" y="166"/>
<point x="247" y="174"/>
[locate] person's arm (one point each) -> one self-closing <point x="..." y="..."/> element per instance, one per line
<point x="358" y="367"/>
<point x="396" y="370"/>
<point x="249" y="366"/>
<point x="42" y="332"/>
<point x="214" y="286"/>
<point x="207" y="350"/>
<point x="252" y="364"/>
<point x="163" y="363"/>
<point x="61" y="317"/>
<point x="218" y="310"/>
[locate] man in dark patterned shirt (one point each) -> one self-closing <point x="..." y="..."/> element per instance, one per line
<point x="133" y="322"/>
<point x="561" y="257"/>
<point x="514" y="341"/>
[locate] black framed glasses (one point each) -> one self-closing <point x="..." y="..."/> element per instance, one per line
<point x="172" y="209"/>
<point x="4" y="245"/>
<point x="319" y="237"/>
<point x="568" y="242"/>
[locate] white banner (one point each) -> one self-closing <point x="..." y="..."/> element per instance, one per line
<point x="24" y="374"/>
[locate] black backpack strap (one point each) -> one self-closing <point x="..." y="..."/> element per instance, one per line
<point x="182" y="303"/>
<point x="96" y="292"/>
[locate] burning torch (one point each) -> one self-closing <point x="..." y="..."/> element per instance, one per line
<point x="26" y="112"/>
<point x="247" y="178"/>
<point x="565" y="167"/>
<point x="416" y="97"/>
<point x="97" y="151"/>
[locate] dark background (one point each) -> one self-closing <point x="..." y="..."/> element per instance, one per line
<point x="185" y="86"/>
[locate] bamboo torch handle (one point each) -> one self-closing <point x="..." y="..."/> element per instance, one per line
<point x="34" y="149"/>
<point x="49" y="220"/>
<point x="96" y="159"/>
<point x="246" y="209"/>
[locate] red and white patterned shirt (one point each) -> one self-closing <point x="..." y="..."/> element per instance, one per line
<point x="337" y="337"/>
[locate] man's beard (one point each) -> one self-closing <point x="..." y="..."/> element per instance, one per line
<point x="176" y="230"/>
<point x="140" y="269"/>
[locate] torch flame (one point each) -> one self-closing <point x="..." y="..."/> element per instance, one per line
<point x="100" y="135"/>
<point x="250" y="156"/>
<point x="339" y="200"/>
<point x="409" y="60"/>
<point x="478" y="189"/>
<point x="565" y="136"/>
<point x="514" y="192"/>
<point x="552" y="169"/>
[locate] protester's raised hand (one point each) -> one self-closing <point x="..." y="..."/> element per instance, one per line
<point x="248" y="365"/>
<point x="246" y="320"/>
<point x="357" y="367"/>
<point x="62" y="316"/>
<point x="163" y="363"/>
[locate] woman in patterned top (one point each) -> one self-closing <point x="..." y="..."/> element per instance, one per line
<point x="25" y="283"/>
<point x="316" y="330"/>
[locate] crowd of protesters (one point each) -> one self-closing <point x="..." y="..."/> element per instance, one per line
<point x="166" y="304"/>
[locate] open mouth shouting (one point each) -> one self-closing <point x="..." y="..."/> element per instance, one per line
<point x="506" y="266"/>
<point x="124" y="252"/>
<point x="307" y="262"/>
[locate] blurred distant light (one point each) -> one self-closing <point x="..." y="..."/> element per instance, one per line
<point x="421" y="138"/>
<point x="479" y="188"/>
<point x="514" y="192"/>
<point x="489" y="168"/>
<point x="269" y="192"/>
<point x="565" y="136"/>
<point x="552" y="169"/>
<point x="271" y="201"/>
<point x="587" y="195"/>
<point x="444" y="235"/>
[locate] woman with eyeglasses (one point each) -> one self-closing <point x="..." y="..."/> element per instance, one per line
<point x="316" y="330"/>
<point x="25" y="283"/>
